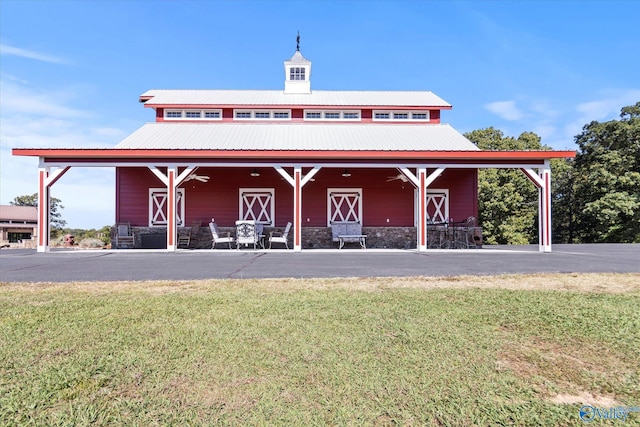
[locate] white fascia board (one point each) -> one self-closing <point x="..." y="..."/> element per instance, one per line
<point x="205" y="163"/>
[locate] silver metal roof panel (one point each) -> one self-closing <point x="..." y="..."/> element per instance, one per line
<point x="296" y="136"/>
<point x="278" y="97"/>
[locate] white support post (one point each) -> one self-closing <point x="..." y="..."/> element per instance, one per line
<point x="297" y="208"/>
<point x="422" y="209"/>
<point x="46" y="179"/>
<point x="297" y="181"/>
<point x="542" y="180"/>
<point x="172" y="229"/>
<point x="43" y="210"/>
<point x="544" y="211"/>
<point x="422" y="181"/>
<point x="172" y="180"/>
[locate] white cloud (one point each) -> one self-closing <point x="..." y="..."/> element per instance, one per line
<point x="31" y="118"/>
<point x="10" y="77"/>
<point x="608" y="106"/>
<point x="87" y="194"/>
<point x="18" y="98"/>
<point x="23" y="53"/>
<point x="506" y="110"/>
<point x="88" y="197"/>
<point x="557" y="121"/>
<point x="45" y="132"/>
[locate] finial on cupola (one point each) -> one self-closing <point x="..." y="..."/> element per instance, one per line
<point x="297" y="72"/>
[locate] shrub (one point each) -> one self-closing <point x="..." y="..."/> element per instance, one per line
<point x="91" y="243"/>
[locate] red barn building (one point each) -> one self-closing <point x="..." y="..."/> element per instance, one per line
<point x="381" y="159"/>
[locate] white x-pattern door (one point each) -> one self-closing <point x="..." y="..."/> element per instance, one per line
<point x="437" y="205"/>
<point x="345" y="205"/>
<point x="257" y="205"/>
<point x="158" y="207"/>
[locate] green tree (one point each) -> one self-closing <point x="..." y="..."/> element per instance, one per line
<point x="507" y="199"/>
<point x="563" y="201"/>
<point x="607" y="179"/>
<point x="57" y="223"/>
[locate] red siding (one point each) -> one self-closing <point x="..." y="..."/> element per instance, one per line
<point x="297" y="114"/>
<point x="219" y="198"/>
<point x="463" y="192"/>
<point x="132" y="195"/>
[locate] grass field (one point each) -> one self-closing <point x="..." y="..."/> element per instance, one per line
<point x="461" y="351"/>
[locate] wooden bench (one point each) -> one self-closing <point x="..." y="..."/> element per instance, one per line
<point x="343" y="232"/>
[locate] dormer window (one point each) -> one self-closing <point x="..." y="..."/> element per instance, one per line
<point x="416" y="116"/>
<point x="193" y="114"/>
<point x="297" y="73"/>
<point x="262" y="114"/>
<point x="332" y="115"/>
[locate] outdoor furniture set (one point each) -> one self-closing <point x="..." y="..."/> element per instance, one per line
<point x="249" y="233"/>
<point x="451" y="235"/>
<point x="440" y="235"/>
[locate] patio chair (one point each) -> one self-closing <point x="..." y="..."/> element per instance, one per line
<point x="277" y="237"/>
<point x="462" y="233"/>
<point x="184" y="238"/>
<point x="246" y="233"/>
<point x="260" y="233"/>
<point x="218" y="238"/>
<point x="124" y="236"/>
<point x="469" y="226"/>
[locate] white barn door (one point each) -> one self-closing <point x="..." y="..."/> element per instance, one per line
<point x="158" y="207"/>
<point x="257" y="205"/>
<point x="345" y="205"/>
<point x="437" y="205"/>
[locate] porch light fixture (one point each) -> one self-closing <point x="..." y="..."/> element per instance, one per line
<point x="346" y="173"/>
<point x="255" y="172"/>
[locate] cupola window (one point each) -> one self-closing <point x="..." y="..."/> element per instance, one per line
<point x="297" y="73"/>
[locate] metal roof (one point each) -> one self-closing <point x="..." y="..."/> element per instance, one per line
<point x="18" y="213"/>
<point x="387" y="99"/>
<point x="318" y="137"/>
<point x="297" y="57"/>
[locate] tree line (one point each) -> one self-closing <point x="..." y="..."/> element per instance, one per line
<point x="596" y="196"/>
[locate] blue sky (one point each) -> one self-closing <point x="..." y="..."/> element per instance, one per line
<point x="71" y="71"/>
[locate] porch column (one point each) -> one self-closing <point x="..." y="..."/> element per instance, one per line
<point x="46" y="179"/>
<point x="422" y="209"/>
<point x="542" y="180"/>
<point x="544" y="210"/>
<point x="297" y="182"/>
<point x="297" y="209"/>
<point x="172" y="180"/>
<point x="172" y="229"/>
<point x="422" y="181"/>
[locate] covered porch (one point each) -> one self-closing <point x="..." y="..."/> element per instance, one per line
<point x="299" y="172"/>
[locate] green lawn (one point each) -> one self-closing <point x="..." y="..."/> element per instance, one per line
<point x="454" y="352"/>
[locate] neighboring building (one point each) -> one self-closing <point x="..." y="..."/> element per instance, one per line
<point x="380" y="158"/>
<point x="18" y="225"/>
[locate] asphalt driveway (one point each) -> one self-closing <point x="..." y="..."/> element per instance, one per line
<point x="19" y="265"/>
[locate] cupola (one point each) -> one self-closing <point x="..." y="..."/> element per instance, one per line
<point x="297" y="72"/>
